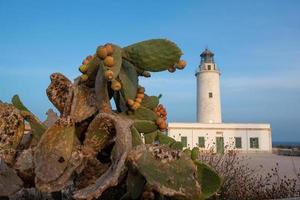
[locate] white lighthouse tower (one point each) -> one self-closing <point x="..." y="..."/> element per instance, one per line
<point x="208" y="90"/>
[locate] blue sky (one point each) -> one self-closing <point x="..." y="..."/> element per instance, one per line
<point x="256" y="45"/>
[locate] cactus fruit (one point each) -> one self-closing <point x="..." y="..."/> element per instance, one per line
<point x="109" y="75"/>
<point x="85" y="62"/>
<point x="159" y="121"/>
<point x="109" y="61"/>
<point x="116" y="85"/>
<point x="141" y="90"/>
<point x="135" y="106"/>
<point x="109" y="49"/>
<point x="181" y="64"/>
<point x="101" y="52"/>
<point x="83" y="68"/>
<point x="84" y="77"/>
<point x="139" y="100"/>
<point x="130" y="102"/>
<point x="172" y="69"/>
<point x="139" y="95"/>
<point x="153" y="55"/>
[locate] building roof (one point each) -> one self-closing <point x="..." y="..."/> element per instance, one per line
<point x="220" y="125"/>
<point x="207" y="52"/>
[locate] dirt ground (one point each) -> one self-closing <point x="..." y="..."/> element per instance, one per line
<point x="288" y="165"/>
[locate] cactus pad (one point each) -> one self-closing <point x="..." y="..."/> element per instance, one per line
<point x="136" y="137"/>
<point x="143" y="114"/>
<point x="37" y="127"/>
<point x="153" y="55"/>
<point x="150" y="102"/>
<point x="150" y="138"/>
<point x="208" y="178"/>
<point x="83" y="104"/>
<point x="54" y="151"/>
<point x="129" y="80"/>
<point x="166" y="171"/>
<point x="145" y="126"/>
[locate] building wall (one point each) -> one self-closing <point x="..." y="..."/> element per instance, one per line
<point x="208" y="109"/>
<point x="228" y="131"/>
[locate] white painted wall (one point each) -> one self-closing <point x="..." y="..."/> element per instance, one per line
<point x="228" y="131"/>
<point x="208" y="81"/>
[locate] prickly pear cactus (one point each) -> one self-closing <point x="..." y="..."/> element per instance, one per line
<point x="153" y="55"/>
<point x="100" y="152"/>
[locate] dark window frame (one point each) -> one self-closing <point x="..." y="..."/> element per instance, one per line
<point x="254" y="142"/>
<point x="240" y="146"/>
<point x="210" y="95"/>
<point x="184" y="143"/>
<point x="202" y="143"/>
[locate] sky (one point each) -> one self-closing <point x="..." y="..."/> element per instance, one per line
<point x="256" y="45"/>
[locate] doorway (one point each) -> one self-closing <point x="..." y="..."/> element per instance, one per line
<point x="220" y="144"/>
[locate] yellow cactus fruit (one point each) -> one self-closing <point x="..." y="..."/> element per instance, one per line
<point x="130" y="102"/>
<point x="181" y="64"/>
<point x="109" y="48"/>
<point x="84" y="77"/>
<point x="159" y="121"/>
<point x="140" y="95"/>
<point x="109" y="74"/>
<point x="141" y="90"/>
<point x="109" y="61"/>
<point x="83" y="69"/>
<point x="116" y="85"/>
<point x="135" y="106"/>
<point x="139" y="100"/>
<point x="101" y="52"/>
<point x="172" y="69"/>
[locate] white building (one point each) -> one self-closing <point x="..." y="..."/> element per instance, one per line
<point x="209" y="131"/>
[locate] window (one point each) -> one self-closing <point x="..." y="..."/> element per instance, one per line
<point x="210" y="94"/>
<point x="208" y="67"/>
<point x="238" y="142"/>
<point x="254" y="143"/>
<point x="201" y="142"/>
<point x="184" y="141"/>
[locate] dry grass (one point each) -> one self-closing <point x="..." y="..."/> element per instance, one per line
<point x="241" y="182"/>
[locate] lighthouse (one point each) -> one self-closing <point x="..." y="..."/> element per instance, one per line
<point x="208" y="90"/>
<point x="209" y="132"/>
